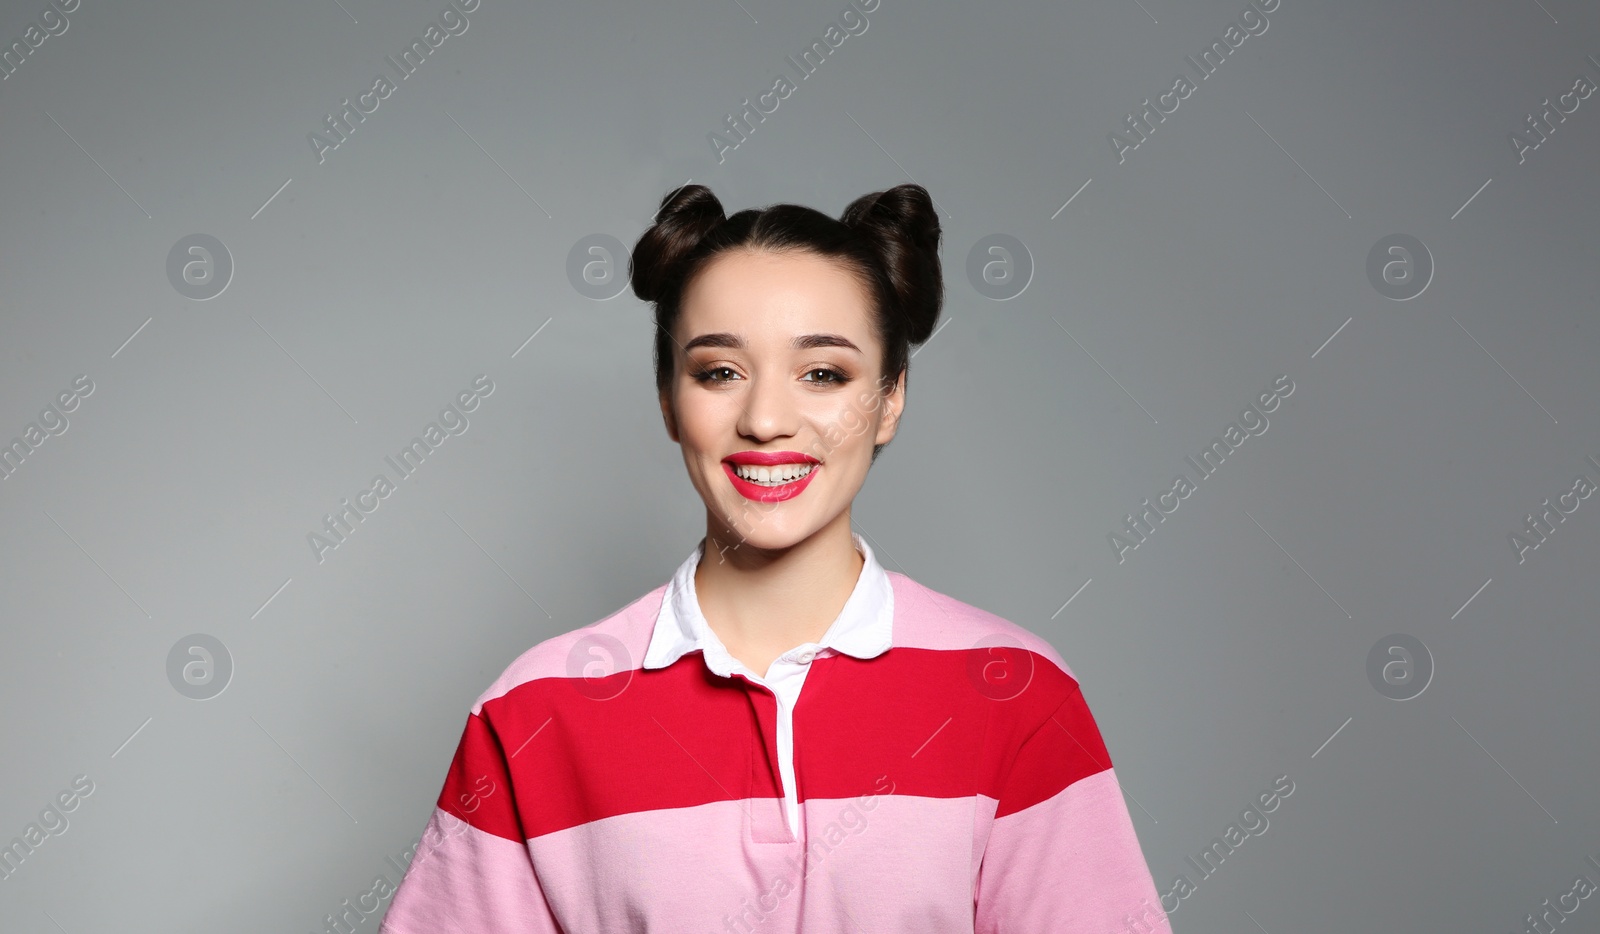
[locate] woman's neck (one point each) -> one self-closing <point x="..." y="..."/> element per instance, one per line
<point x="764" y="603"/>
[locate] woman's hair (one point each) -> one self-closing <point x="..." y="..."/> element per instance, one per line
<point x="888" y="240"/>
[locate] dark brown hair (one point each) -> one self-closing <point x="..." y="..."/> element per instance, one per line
<point x="889" y="240"/>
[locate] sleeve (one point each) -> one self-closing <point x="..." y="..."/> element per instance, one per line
<point x="472" y="870"/>
<point x="1062" y="855"/>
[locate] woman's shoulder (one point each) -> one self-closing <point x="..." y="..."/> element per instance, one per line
<point x="927" y="618"/>
<point x="612" y="645"/>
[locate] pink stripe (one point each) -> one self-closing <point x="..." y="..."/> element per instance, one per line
<point x="880" y="862"/>
<point x="462" y="879"/>
<point x="571" y="653"/>
<point x="927" y="619"/>
<point x="1069" y="863"/>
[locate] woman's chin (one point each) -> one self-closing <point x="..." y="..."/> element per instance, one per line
<point x="768" y="533"/>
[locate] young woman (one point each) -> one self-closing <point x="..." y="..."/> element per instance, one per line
<point x="785" y="736"/>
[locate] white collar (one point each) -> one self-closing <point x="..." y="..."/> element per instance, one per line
<point x="863" y="628"/>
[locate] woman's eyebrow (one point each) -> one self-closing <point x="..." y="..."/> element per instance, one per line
<point x="810" y="341"/>
<point x="803" y="342"/>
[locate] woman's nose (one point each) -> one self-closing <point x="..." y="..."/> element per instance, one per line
<point x="769" y="409"/>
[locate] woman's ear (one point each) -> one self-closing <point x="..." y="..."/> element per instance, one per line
<point x="666" y="416"/>
<point x="893" y="404"/>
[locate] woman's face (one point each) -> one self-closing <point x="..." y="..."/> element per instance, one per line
<point x="775" y="356"/>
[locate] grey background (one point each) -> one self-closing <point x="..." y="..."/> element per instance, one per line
<point x="368" y="290"/>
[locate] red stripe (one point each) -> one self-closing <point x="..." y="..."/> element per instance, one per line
<point x="935" y="723"/>
<point x="1065" y="748"/>
<point x="478" y="789"/>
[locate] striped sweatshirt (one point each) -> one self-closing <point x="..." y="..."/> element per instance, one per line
<point x="926" y="766"/>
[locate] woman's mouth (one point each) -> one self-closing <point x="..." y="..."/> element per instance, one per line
<point x="770" y="483"/>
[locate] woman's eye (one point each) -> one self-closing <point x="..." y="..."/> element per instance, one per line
<point x="705" y="375"/>
<point x="830" y="376"/>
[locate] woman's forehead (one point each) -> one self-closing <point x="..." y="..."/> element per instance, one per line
<point x="766" y="296"/>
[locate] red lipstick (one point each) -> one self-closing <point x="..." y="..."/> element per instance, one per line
<point x="769" y="494"/>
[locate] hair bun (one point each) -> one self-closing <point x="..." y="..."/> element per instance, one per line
<point x="685" y="216"/>
<point x="902" y="223"/>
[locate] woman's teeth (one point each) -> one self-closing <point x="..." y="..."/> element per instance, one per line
<point x="772" y="476"/>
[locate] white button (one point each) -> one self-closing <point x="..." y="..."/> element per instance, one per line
<point x="806" y="656"/>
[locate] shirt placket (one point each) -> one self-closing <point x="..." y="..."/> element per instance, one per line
<point x="767" y="821"/>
